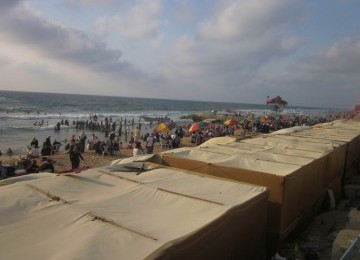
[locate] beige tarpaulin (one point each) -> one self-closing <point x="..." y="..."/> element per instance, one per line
<point x="290" y="130"/>
<point x="346" y="131"/>
<point x="219" y="140"/>
<point x="297" y="171"/>
<point x="105" y="213"/>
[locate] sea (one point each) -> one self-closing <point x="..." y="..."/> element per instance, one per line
<point x="20" y="113"/>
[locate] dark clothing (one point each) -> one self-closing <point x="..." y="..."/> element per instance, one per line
<point x="47" y="166"/>
<point x="32" y="168"/>
<point x="34" y="142"/>
<point x="82" y="143"/>
<point x="46" y="150"/>
<point x="75" y="157"/>
<point x="47" y="142"/>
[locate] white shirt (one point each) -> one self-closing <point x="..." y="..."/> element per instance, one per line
<point x="150" y="141"/>
<point x="136" y="152"/>
<point x="34" y="152"/>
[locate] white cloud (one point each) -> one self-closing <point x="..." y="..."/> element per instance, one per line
<point x="329" y="78"/>
<point x="141" y="21"/>
<point x="238" y="19"/>
<point x="184" y="11"/>
<point x="342" y="57"/>
<point x="90" y="2"/>
<point x="57" y="42"/>
<point x="246" y="52"/>
<point x="221" y="47"/>
<point x="241" y="51"/>
<point x="4" y="60"/>
<point x="101" y="27"/>
<point x="291" y="43"/>
<point x="5" y="4"/>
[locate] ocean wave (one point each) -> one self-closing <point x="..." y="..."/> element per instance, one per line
<point x="78" y="116"/>
<point x="58" y="117"/>
<point x="37" y="128"/>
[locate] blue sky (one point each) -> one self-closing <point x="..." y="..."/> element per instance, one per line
<point x="241" y="51"/>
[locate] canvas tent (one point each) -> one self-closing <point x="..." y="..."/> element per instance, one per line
<point x="297" y="171"/>
<point x="108" y="213"/>
<point x="344" y="131"/>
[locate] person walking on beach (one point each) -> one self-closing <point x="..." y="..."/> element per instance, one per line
<point x="150" y="144"/>
<point x="75" y="156"/>
<point x="82" y="140"/>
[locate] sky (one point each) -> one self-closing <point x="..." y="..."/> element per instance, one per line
<point x="306" y="51"/>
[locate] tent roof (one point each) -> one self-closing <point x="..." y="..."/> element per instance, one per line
<point x="279" y="155"/>
<point x="103" y="213"/>
<point x="339" y="130"/>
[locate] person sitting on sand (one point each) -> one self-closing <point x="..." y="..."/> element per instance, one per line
<point x="130" y="146"/>
<point x="138" y="149"/>
<point x="46" y="165"/>
<point x="116" y="148"/>
<point x="55" y="146"/>
<point x="32" y="167"/>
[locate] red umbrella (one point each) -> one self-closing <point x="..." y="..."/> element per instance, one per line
<point x="194" y="127"/>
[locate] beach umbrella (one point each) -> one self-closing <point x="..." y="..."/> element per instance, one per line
<point x="162" y="127"/>
<point x="230" y="122"/>
<point x="195" y="127"/>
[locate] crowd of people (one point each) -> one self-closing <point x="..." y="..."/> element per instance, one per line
<point x="112" y="145"/>
<point x="141" y="140"/>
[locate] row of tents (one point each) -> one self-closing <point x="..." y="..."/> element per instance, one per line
<point x="224" y="199"/>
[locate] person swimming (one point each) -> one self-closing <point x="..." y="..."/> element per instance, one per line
<point x="9" y="152"/>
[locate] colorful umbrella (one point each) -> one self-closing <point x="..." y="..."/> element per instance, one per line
<point x="230" y="122"/>
<point x="162" y="127"/>
<point x="196" y="126"/>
